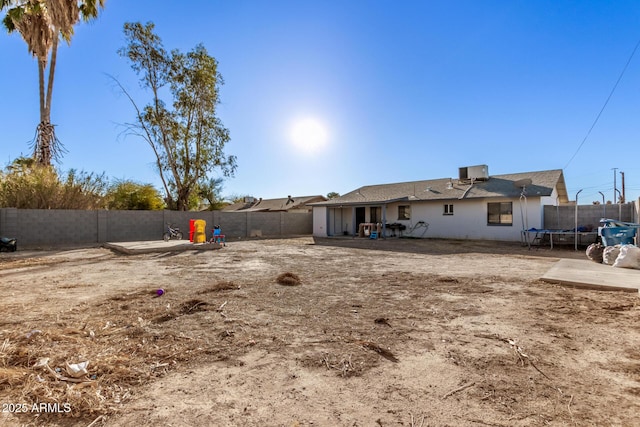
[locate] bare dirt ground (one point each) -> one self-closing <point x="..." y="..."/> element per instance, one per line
<point x="377" y="333"/>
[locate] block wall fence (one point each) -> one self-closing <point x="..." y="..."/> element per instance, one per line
<point x="49" y="228"/>
<point x="563" y="217"/>
<point x="44" y="227"/>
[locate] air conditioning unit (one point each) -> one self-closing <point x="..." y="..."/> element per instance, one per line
<point x="249" y="199"/>
<point x="473" y="173"/>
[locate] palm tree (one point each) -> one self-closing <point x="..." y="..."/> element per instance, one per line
<point x="41" y="23"/>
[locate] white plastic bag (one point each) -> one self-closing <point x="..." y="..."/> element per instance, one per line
<point x="77" y="370"/>
<point x="629" y="257"/>
<point x="610" y="254"/>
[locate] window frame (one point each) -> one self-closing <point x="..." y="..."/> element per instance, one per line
<point x="505" y="209"/>
<point x="448" y="209"/>
<point x="404" y="212"/>
<point x="375" y="214"/>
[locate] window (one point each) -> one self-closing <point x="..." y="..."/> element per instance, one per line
<point x="500" y="213"/>
<point x="404" y="212"/>
<point x="448" y="210"/>
<point x="375" y="214"/>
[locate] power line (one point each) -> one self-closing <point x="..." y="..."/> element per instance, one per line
<point x="605" y="104"/>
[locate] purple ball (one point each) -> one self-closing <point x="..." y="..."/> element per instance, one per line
<point x="160" y="292"/>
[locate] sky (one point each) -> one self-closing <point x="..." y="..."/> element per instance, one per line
<point x="328" y="96"/>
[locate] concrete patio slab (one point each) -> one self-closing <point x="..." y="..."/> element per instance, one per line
<point x="151" y="246"/>
<point x="588" y="274"/>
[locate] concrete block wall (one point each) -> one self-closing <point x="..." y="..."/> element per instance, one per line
<point x="40" y="227"/>
<point x="56" y="227"/>
<point x="9" y="222"/>
<point x="267" y="224"/>
<point x="297" y="224"/>
<point x="563" y="217"/>
<point x="128" y="226"/>
<point x="233" y="224"/>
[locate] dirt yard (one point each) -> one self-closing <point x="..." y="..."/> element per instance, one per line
<point x="359" y="333"/>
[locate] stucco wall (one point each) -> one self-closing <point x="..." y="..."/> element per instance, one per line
<point x="469" y="219"/>
<point x="320" y="221"/>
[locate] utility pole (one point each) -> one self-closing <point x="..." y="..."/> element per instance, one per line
<point x="622" y="200"/>
<point x="614" y="184"/>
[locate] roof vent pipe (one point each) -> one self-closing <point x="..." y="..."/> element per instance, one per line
<point x="467" y="190"/>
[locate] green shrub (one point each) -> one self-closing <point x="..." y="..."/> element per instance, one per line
<point x="129" y="195"/>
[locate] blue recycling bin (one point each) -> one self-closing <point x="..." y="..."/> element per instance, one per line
<point x="616" y="232"/>
<point x="612" y="236"/>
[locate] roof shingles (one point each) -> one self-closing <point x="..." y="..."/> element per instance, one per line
<point x="542" y="184"/>
<point x="275" y="205"/>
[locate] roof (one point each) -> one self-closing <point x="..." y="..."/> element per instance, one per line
<point x="504" y="186"/>
<point x="274" y="205"/>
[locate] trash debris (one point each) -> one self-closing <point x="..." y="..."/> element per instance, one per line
<point x="160" y="292"/>
<point x="77" y="370"/>
<point x="44" y="363"/>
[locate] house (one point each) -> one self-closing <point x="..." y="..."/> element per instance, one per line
<point x="286" y="204"/>
<point x="474" y="206"/>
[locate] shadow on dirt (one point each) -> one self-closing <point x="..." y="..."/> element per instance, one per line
<point x="449" y="247"/>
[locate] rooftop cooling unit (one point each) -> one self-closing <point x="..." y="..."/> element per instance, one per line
<point x="473" y="173"/>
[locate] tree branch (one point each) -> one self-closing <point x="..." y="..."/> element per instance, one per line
<point x="146" y="135"/>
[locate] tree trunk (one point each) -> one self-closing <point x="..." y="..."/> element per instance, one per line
<point x="45" y="133"/>
<point x="42" y="64"/>
<point x="183" y="199"/>
<point x="52" y="69"/>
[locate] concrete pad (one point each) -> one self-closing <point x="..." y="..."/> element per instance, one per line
<point x="588" y="274"/>
<point x="151" y="246"/>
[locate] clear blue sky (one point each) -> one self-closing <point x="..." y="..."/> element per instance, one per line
<point x="405" y="90"/>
